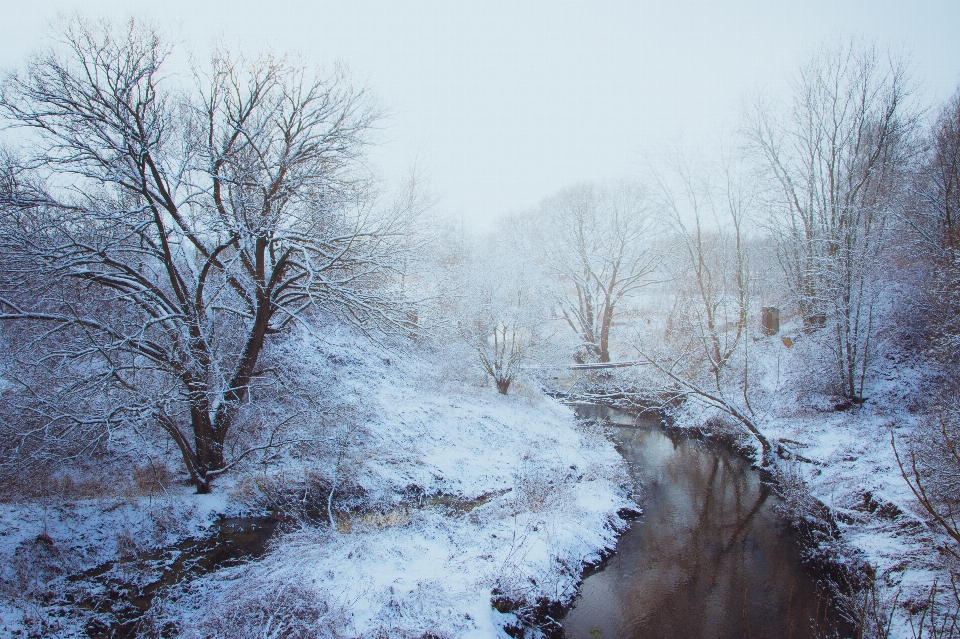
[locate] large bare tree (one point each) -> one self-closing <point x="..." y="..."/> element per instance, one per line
<point x="155" y="236"/>
<point x="838" y="153"/>
<point x="597" y="243"/>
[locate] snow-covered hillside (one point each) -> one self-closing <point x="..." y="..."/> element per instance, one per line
<point x="458" y="498"/>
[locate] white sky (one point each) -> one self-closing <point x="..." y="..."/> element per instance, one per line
<point x="505" y="102"/>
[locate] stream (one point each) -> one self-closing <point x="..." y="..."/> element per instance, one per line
<point x="709" y="556"/>
<point x="120" y="594"/>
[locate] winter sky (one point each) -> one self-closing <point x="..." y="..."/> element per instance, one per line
<point x="505" y="102"/>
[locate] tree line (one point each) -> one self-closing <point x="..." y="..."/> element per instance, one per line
<point x="836" y="202"/>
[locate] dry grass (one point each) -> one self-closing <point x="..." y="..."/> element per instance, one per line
<point x="150" y="479"/>
<point x="290" y="608"/>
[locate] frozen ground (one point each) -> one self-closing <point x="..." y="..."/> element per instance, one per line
<point x="473" y="497"/>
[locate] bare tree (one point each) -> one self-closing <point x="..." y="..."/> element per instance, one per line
<point x="838" y="154"/>
<point x="703" y="354"/>
<point x="597" y="245"/>
<point x="931" y="462"/>
<point x="501" y="308"/>
<point x="503" y="350"/>
<point x="932" y="238"/>
<point x="156" y="237"/>
<point x="938" y="189"/>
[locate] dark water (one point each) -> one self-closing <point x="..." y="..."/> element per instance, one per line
<point x="708" y="558"/>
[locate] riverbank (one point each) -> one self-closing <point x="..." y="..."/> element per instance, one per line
<point x="448" y="498"/>
<point x="840" y="468"/>
<point x="712" y="539"/>
<point x="456" y="511"/>
<point x="835" y="466"/>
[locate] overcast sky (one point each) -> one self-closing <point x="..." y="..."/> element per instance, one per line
<point x="505" y="102"/>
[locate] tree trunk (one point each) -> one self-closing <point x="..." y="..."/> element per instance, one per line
<point x="605" y="322"/>
<point x="209" y="455"/>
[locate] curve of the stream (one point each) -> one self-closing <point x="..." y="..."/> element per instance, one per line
<point x="709" y="557"/>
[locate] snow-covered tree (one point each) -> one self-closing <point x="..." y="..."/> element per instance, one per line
<point x="932" y="238"/>
<point x="702" y="354"/>
<point x="502" y="305"/>
<point x="155" y="236"/>
<point x="597" y="248"/>
<point x="838" y="153"/>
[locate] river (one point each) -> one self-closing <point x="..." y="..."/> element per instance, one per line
<point x="709" y="557"/>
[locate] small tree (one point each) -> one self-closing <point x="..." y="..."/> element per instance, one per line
<point x="931" y="468"/>
<point x="155" y="237"/>
<point x="501" y="308"/>
<point x="596" y="243"/>
<point x="703" y="354"/>
<point x="503" y="351"/>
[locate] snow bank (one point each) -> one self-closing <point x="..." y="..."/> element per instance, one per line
<point x="536" y="499"/>
<point x="467" y="499"/>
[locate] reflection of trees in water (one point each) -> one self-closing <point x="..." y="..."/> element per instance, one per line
<point x="707" y="559"/>
<point x="707" y="506"/>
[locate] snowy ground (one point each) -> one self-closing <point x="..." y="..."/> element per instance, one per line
<point x="474" y="498"/>
<point x="844" y="458"/>
<point x="42" y="543"/>
<point x="469" y="508"/>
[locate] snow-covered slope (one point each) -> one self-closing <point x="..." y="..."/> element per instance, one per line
<point x="461" y="497"/>
<point x="535" y="497"/>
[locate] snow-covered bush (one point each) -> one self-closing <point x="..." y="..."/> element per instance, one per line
<point x="931" y="466"/>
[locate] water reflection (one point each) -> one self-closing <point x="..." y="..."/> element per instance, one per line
<point x="709" y="557"/>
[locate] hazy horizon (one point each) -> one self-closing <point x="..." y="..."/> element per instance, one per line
<point x="504" y="103"/>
